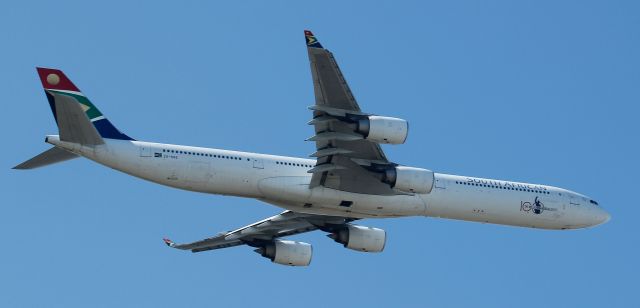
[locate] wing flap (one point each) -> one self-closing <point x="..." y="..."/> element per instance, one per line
<point x="325" y="167"/>
<point x="329" y="152"/>
<point x="330" y="136"/>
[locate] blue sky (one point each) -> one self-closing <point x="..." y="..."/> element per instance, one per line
<point x="533" y="91"/>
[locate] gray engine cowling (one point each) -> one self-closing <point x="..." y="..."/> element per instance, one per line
<point x="384" y="129"/>
<point x="287" y="252"/>
<point x="410" y="179"/>
<point x="361" y="238"/>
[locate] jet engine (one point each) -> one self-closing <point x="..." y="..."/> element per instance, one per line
<point x="410" y="179"/>
<point x="287" y="252"/>
<point x="360" y="238"/>
<point x="384" y="129"/>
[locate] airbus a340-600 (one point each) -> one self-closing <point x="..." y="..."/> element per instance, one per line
<point x="348" y="177"/>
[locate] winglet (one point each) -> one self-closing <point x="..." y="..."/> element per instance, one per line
<point x="311" y="40"/>
<point x="169" y="242"/>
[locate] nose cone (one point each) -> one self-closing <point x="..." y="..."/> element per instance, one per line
<point x="601" y="217"/>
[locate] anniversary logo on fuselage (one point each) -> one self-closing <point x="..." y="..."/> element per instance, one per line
<point x="537" y="207"/>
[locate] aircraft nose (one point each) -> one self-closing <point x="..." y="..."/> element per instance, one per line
<point x="601" y="216"/>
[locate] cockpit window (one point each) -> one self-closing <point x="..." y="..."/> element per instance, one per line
<point x="593" y="202"/>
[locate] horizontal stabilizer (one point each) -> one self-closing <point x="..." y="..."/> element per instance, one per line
<point x="48" y="157"/>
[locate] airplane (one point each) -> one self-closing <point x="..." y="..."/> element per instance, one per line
<point x="348" y="178"/>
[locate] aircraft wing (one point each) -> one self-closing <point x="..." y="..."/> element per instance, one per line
<point x="345" y="160"/>
<point x="284" y="224"/>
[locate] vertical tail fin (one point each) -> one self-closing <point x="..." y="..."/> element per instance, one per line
<point x="60" y="90"/>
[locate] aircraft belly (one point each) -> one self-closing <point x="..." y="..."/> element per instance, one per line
<point x="293" y="191"/>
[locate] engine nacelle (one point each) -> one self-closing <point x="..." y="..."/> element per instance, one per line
<point x="361" y="238"/>
<point x="410" y="179"/>
<point x="287" y="252"/>
<point x="384" y="129"/>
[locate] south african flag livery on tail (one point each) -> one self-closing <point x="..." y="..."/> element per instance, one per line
<point x="55" y="82"/>
<point x="311" y="39"/>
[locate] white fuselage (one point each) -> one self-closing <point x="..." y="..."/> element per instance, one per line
<point x="284" y="182"/>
